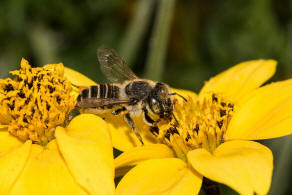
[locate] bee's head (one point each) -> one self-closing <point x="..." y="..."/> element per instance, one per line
<point x="159" y="100"/>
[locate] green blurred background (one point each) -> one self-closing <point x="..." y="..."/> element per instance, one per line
<point x="181" y="42"/>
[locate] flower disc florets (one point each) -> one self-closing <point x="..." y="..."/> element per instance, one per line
<point x="200" y="123"/>
<point x="35" y="101"/>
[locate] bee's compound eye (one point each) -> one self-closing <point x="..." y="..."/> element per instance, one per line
<point x="154" y="105"/>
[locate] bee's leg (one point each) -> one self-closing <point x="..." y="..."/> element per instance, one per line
<point x="119" y="111"/>
<point x="148" y="120"/>
<point x="154" y="130"/>
<point x="131" y="123"/>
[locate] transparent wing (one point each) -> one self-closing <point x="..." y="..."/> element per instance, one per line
<point x="113" y="66"/>
<point x="94" y="103"/>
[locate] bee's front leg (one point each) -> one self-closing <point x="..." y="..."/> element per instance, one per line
<point x="147" y="119"/>
<point x="132" y="125"/>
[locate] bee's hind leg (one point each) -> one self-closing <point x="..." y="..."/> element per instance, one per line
<point x="132" y="125"/>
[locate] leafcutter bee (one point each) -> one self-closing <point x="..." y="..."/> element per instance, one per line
<point x="130" y="95"/>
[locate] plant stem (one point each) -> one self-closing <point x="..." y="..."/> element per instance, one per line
<point x="158" y="42"/>
<point x="136" y="30"/>
<point x="211" y="187"/>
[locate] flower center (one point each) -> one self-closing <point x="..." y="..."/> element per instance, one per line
<point x="199" y="123"/>
<point x="35" y="102"/>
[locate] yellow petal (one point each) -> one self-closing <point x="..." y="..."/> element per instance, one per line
<point x="52" y="145"/>
<point x="11" y="165"/>
<point x="245" y="166"/>
<point x="240" y="79"/>
<point x="77" y="78"/>
<point x="88" y="161"/>
<point x="8" y="142"/>
<point x="141" y="153"/>
<point x="190" y="183"/>
<point x="46" y="173"/>
<point x="122" y="136"/>
<point x="154" y="177"/>
<point x="91" y="127"/>
<point x="265" y="113"/>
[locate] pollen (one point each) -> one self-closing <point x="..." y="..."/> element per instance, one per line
<point x="35" y="101"/>
<point x="198" y="123"/>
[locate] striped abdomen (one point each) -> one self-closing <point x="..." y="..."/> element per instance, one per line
<point x="98" y="95"/>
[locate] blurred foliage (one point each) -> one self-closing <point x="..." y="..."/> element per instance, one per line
<point x="206" y="37"/>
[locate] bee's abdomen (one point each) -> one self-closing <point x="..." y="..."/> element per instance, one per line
<point x="101" y="91"/>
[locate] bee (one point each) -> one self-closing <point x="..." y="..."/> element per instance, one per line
<point x="127" y="94"/>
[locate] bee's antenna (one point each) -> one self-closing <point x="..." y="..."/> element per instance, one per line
<point x="179" y="96"/>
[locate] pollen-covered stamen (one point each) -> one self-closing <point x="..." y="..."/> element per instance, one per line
<point x="35" y="101"/>
<point x="202" y="123"/>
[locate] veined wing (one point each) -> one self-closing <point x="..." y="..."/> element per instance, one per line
<point x="100" y="102"/>
<point x="113" y="66"/>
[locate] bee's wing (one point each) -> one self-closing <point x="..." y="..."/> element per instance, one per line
<point x="113" y="66"/>
<point x="98" y="102"/>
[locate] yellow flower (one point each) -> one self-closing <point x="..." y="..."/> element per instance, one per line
<point x="212" y="138"/>
<point x="38" y="153"/>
